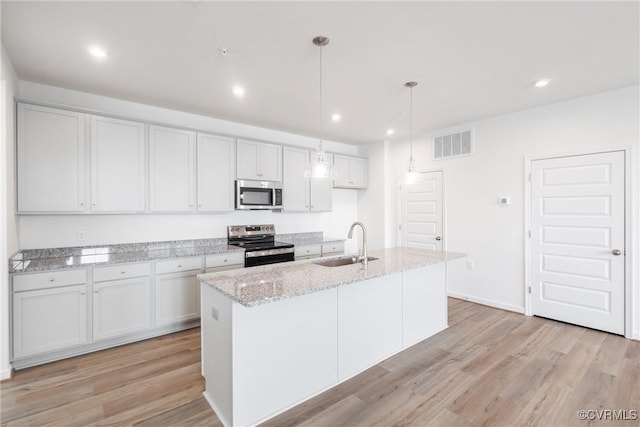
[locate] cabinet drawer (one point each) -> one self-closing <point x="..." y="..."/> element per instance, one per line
<point x="332" y="248"/>
<point x="50" y="279"/>
<point x="223" y="260"/>
<point x="176" y="265"/>
<point x="308" y="251"/>
<point x="123" y="271"/>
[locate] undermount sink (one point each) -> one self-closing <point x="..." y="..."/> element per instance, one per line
<point x="345" y="260"/>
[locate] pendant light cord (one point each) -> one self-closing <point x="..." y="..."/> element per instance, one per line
<point x="320" y="144"/>
<point x="411" y="123"/>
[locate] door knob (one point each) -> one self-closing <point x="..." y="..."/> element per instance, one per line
<point x="616" y="252"/>
<point x="438" y="238"/>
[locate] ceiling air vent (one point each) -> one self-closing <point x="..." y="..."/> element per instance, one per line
<point x="456" y="144"/>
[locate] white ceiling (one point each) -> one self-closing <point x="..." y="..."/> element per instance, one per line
<point x="471" y="59"/>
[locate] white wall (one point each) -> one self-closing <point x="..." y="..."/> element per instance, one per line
<point x="372" y="209"/>
<point x="8" y="227"/>
<point x="40" y="231"/>
<point x="493" y="235"/>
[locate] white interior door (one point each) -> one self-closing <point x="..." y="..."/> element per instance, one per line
<point x="577" y="240"/>
<point x="421" y="225"/>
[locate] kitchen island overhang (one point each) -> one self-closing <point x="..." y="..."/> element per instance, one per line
<point x="274" y="336"/>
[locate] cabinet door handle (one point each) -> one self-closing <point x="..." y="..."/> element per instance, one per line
<point x="122" y="272"/>
<point x="81" y="292"/>
<point x="224" y="260"/>
<point x="52" y="279"/>
<point x="616" y="252"/>
<point x="95" y="291"/>
<point x="81" y="204"/>
<point x="179" y="265"/>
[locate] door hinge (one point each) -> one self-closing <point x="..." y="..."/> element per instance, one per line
<point x="400" y="227"/>
<point x="530" y="180"/>
<point x="529" y="233"/>
<point x="529" y="289"/>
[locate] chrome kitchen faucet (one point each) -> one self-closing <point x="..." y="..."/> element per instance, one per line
<point x="364" y="257"/>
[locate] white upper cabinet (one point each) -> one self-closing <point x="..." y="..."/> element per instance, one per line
<point x="321" y="194"/>
<point x="351" y="171"/>
<point x="51" y="160"/>
<point x="295" y="188"/>
<point x="300" y="193"/>
<point x="216" y="172"/>
<point x="259" y="161"/>
<point x="171" y="169"/>
<point x="117" y="165"/>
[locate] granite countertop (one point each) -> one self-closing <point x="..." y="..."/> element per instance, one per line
<point x="302" y="239"/>
<point x="30" y="261"/>
<point x="269" y="283"/>
<point x="34" y="260"/>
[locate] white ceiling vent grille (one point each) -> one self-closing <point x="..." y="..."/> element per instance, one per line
<point x="455" y="144"/>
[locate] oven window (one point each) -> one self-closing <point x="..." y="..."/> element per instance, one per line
<point x="256" y="196"/>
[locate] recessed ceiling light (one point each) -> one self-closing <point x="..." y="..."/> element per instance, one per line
<point x="336" y="117"/>
<point x="97" y="51"/>
<point x="238" y="91"/>
<point x="542" y="83"/>
<point x="390" y="131"/>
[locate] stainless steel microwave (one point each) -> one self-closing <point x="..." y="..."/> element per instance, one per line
<point x="258" y="194"/>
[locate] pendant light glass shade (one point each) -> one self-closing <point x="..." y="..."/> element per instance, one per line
<point x="411" y="176"/>
<point x="320" y="166"/>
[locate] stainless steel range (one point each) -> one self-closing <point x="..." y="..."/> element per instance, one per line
<point x="259" y="244"/>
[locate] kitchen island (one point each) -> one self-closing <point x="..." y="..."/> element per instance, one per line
<point x="276" y="335"/>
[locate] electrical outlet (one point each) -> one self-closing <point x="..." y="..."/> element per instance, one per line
<point x="80" y="235"/>
<point x="470" y="265"/>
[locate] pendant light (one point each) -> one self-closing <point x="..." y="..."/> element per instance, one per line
<point x="320" y="166"/>
<point x="412" y="175"/>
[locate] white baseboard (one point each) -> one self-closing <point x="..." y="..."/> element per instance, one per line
<point x="488" y="302"/>
<point x="217" y="410"/>
<point x="6" y="373"/>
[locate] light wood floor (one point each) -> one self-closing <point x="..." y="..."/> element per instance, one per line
<point x="490" y="367"/>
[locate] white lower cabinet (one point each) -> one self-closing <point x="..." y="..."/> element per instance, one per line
<point x="336" y="248"/>
<point x="121" y="307"/>
<point x="307" y="251"/>
<point x="49" y="319"/>
<point x="222" y="262"/>
<point x="369" y="323"/>
<point x="62" y="313"/>
<point x="424" y="297"/>
<point x="177" y="297"/>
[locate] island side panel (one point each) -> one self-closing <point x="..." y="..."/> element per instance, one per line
<point x="284" y="353"/>
<point x="370" y="323"/>
<point x="216" y="339"/>
<point x="424" y="297"/>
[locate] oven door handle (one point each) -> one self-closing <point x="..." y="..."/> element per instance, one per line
<point x="255" y="254"/>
